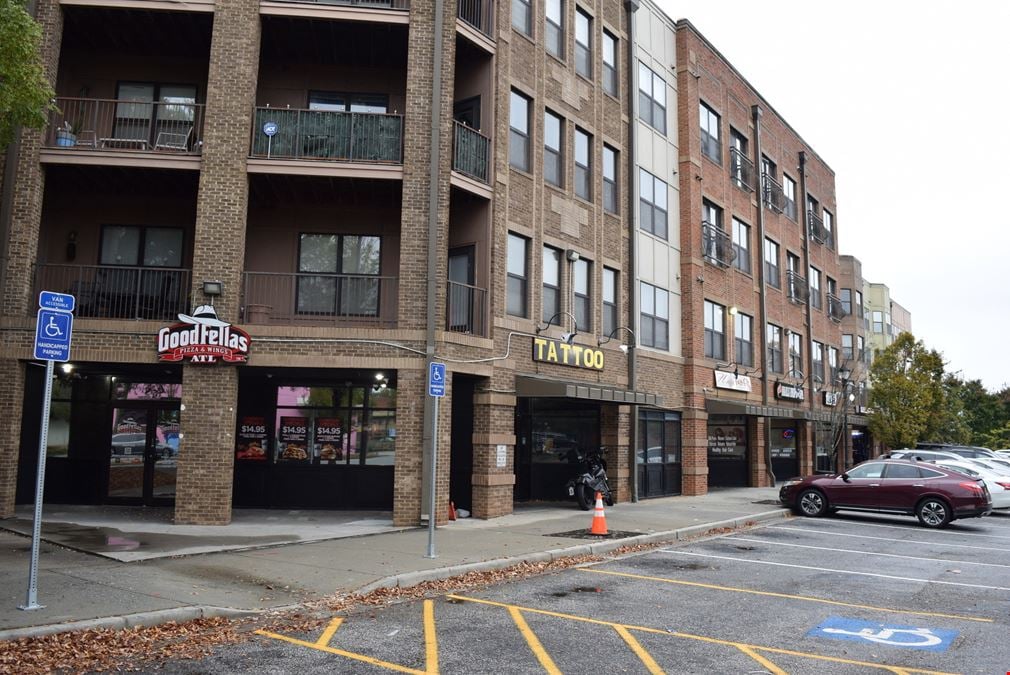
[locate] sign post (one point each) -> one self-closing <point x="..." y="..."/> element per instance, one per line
<point x="270" y="130"/>
<point x="436" y="389"/>
<point x="53" y="329"/>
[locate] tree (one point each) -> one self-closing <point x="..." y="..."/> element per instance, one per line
<point x="907" y="395"/>
<point x="983" y="412"/>
<point x="26" y="97"/>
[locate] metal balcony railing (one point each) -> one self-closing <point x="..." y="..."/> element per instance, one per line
<point x="465" y="309"/>
<point x="477" y="13"/>
<point x="797" y="287"/>
<point x="329" y="135"/>
<point x="816" y="225"/>
<point x="368" y="4"/>
<point x="741" y="170"/>
<point x="717" y="246"/>
<point x="836" y="309"/>
<point x="774" y="197"/>
<point x="471" y="152"/>
<point x="118" y="292"/>
<point x="309" y="298"/>
<point x="111" y="124"/>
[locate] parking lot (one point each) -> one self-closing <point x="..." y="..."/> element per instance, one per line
<point x="847" y="594"/>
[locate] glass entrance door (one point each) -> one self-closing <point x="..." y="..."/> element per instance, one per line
<point x="143" y="454"/>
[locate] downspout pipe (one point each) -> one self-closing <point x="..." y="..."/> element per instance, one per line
<point x="763" y="293"/>
<point x="632" y="6"/>
<point x="806" y="260"/>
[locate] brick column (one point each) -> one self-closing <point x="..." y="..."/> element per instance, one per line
<point x="757" y="436"/>
<point x="694" y="429"/>
<point x="806" y="447"/>
<point x="207" y="449"/>
<point x="12" y="392"/>
<point x="206" y="453"/>
<point x="411" y="390"/>
<point x="615" y="427"/>
<point x="494" y="425"/>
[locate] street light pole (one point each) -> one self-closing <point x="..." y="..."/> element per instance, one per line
<point x="843" y="460"/>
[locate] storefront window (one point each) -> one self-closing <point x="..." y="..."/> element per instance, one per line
<point x="727" y="437"/>
<point x="783" y="441"/>
<point x="58" y="437"/>
<point x="145" y="391"/>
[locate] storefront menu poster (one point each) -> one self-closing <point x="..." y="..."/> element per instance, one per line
<point x="293" y="435"/>
<point x="329" y="440"/>
<point x="252" y="443"/>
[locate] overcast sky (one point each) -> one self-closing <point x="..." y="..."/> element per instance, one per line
<point x="909" y="103"/>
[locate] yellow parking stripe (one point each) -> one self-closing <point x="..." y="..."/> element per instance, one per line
<point x="538" y="649"/>
<point x="430" y="639"/>
<point x="701" y="638"/>
<point x="324" y="639"/>
<point x="771" y="667"/>
<point x="787" y="596"/>
<point x="637" y="647"/>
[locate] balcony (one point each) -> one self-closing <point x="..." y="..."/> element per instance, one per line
<point x="797" y="287"/>
<point x="327" y="135"/>
<point x="836" y="309"/>
<point x="816" y="225"/>
<point x="742" y="170"/>
<point x="364" y="4"/>
<point x="117" y="125"/>
<point x="319" y="299"/>
<point x="118" y="292"/>
<point x="774" y="197"/>
<point x="717" y="247"/>
<point x="465" y="309"/>
<point x="470" y="152"/>
<point x="479" y="14"/>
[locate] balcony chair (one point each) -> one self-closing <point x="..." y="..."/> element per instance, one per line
<point x="173" y="140"/>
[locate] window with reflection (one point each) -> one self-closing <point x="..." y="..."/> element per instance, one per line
<point x="337" y="274"/>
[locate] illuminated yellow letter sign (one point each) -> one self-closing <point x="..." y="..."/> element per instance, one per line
<point x="562" y="353"/>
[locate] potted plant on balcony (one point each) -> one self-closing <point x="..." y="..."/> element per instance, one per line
<point x="66" y="136"/>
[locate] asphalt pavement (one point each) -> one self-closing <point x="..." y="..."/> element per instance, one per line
<point x="102" y="567"/>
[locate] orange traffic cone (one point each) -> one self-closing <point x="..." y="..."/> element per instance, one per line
<point x="452" y="511"/>
<point x="599" y="519"/>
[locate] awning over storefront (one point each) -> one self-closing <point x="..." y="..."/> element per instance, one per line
<point x="540" y="387"/>
<point x="717" y="407"/>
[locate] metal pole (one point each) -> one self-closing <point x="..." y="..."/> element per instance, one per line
<point x="33" y="571"/>
<point x="432" y="480"/>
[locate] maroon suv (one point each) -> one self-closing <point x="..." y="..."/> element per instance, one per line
<point x="932" y="493"/>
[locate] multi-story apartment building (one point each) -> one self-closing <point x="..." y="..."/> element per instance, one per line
<point x="759" y="280"/>
<point x="885" y="318"/>
<point x="275" y="214"/>
<point x="856" y="354"/>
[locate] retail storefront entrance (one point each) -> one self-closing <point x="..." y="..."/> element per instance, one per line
<point x="143" y="452"/>
<point x="728" y="456"/>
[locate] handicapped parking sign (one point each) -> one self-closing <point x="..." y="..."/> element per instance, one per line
<point x="436" y="379"/>
<point x="53" y="329"/>
<point x="867" y="632"/>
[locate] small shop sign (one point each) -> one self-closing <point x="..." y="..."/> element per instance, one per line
<point x="253" y="443"/>
<point x="203" y="338"/>
<point x="562" y="353"/>
<point x="788" y="391"/>
<point x="831" y="398"/>
<point x="725" y="380"/>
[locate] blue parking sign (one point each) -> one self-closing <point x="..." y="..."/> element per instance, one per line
<point x="53" y="329"/>
<point x="436" y="380"/>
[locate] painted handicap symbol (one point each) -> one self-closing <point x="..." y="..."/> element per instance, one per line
<point x="52" y="328"/>
<point x="916" y="637"/>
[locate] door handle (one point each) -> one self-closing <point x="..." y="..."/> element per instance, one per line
<point x="918" y="485"/>
<point x="874" y="484"/>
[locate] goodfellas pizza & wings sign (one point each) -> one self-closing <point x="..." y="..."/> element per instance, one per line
<point x="203" y="338"/>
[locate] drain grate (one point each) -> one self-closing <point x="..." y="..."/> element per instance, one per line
<point x="584" y="534"/>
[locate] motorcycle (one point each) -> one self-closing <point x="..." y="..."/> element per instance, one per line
<point x="593" y="478"/>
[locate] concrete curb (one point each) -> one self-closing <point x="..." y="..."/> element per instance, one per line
<point x="404" y="580"/>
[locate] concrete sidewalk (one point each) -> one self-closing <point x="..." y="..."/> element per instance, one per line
<point x="243" y="568"/>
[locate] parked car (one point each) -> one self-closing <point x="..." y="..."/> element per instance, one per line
<point x="1001" y="466"/>
<point x="934" y="494"/>
<point x="963" y="450"/>
<point x="997" y="483"/>
<point x="921" y="455"/>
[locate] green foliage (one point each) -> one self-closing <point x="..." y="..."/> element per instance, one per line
<point x="996" y="438"/>
<point x="25" y="94"/>
<point x="907" y="395"/>
<point x="983" y="413"/>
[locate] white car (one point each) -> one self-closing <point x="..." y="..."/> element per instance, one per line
<point x="998" y="484"/>
<point x="998" y="465"/>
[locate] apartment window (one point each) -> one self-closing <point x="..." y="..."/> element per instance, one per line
<point x="551" y="282"/>
<point x="768" y="167"/>
<point x="347" y="102"/>
<point x="609" y="64"/>
<point x="583" y="43"/>
<point x="334" y="273"/>
<point x="878" y="322"/>
<point x="738" y="156"/>
<point x="847" y="347"/>
<point x="741" y="245"/>
<point x="829" y="228"/>
<point x="519" y="131"/>
<point x="846" y="299"/>
<point x="789" y="195"/>
<point x="833" y="363"/>
<point x="795" y="355"/>
<point x="715" y="331"/>
<point x="552" y="148"/>
<point x="812" y="206"/>
<point x="610" y="179"/>
<point x="859" y="304"/>
<point x="818" y="359"/>
<point x="581" y="274"/>
<point x="774" y="339"/>
<point x="518" y="276"/>
<point x="583" y="165"/>
<point x="652" y="203"/>
<point x="772" y="264"/>
<point x="136" y="246"/>
<point x="711" y="217"/>
<point x="710" y="133"/>
<point x="651" y="98"/>
<point x="815" y="287"/>
<point x="609" y="314"/>
<point x="522" y="16"/>
<point x="861" y="349"/>
<point x="554" y="28"/>
<point x="743" y="336"/>
<point x="832" y="286"/>
<point x="655" y="318"/>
